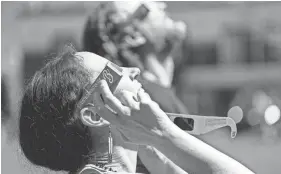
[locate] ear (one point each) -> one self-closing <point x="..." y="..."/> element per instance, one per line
<point x="91" y="119"/>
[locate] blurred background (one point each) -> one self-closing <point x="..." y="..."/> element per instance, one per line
<point x="231" y="56"/>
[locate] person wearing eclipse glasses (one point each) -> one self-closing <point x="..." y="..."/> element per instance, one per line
<point x="71" y="119"/>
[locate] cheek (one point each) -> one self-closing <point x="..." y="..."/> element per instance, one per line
<point x="125" y="71"/>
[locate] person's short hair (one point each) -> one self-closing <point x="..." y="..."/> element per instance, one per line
<point x="51" y="135"/>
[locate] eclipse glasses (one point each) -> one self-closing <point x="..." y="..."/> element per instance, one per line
<point x="193" y="124"/>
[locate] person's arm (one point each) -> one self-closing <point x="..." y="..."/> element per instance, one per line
<point x="156" y="162"/>
<point x="177" y="145"/>
<point x="169" y="66"/>
<point x="143" y="122"/>
<point x="153" y="65"/>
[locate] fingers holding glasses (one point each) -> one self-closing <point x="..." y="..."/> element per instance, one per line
<point x="110" y="100"/>
<point x="128" y="99"/>
<point x="145" y="100"/>
<point x="109" y="107"/>
<point x="143" y="97"/>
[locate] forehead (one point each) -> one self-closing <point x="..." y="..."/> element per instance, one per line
<point x="92" y="61"/>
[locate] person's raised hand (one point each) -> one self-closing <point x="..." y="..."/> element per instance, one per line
<point x="140" y="120"/>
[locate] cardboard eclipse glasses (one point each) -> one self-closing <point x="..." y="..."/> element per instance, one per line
<point x="193" y="124"/>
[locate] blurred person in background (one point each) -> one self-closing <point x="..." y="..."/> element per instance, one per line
<point x="132" y="34"/>
<point x="136" y="34"/>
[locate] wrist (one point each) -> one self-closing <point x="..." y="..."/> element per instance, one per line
<point x="171" y="132"/>
<point x="167" y="135"/>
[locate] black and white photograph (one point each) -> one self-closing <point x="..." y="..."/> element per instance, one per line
<point x="140" y="87"/>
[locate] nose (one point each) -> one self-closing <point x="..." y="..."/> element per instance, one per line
<point x="134" y="73"/>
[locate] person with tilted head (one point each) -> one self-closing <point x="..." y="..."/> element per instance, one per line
<point x="53" y="135"/>
<point x="70" y="120"/>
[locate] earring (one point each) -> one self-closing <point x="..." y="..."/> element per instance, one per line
<point x="110" y="146"/>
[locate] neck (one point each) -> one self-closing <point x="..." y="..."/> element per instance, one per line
<point x="124" y="155"/>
